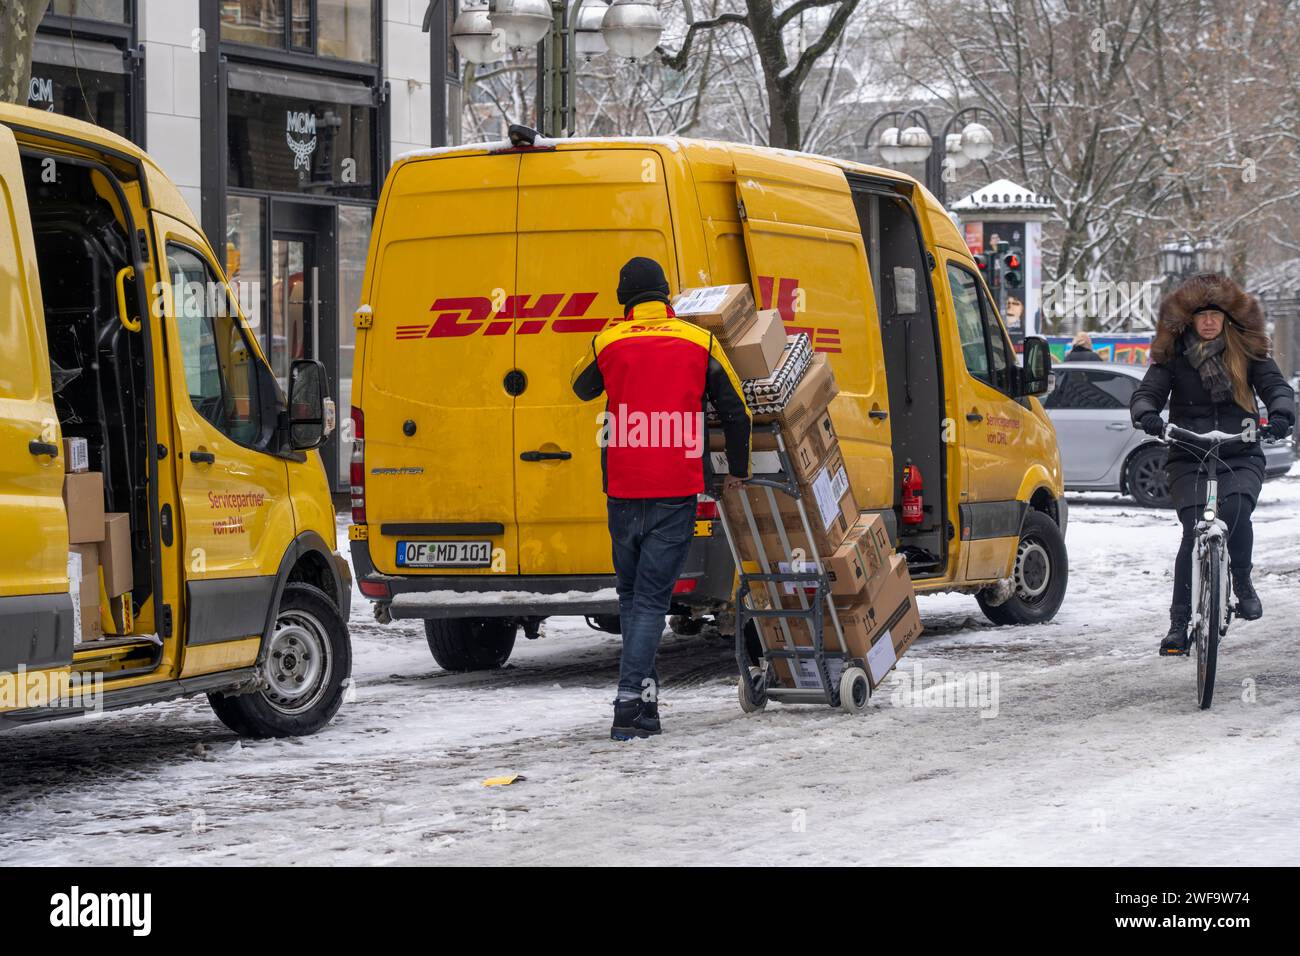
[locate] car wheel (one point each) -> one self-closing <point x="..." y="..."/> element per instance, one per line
<point x="307" y="662"/>
<point x="470" y="643"/>
<point x="1146" y="479"/>
<point x="1039" y="577"/>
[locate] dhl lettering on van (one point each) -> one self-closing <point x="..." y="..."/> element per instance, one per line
<point x="466" y="315"/>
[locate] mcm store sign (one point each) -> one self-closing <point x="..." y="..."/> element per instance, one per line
<point x="300" y="133"/>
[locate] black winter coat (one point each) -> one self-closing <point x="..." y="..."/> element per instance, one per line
<point x="1175" y="381"/>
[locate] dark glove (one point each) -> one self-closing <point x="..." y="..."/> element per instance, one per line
<point x="1151" y="423"/>
<point x="1278" y="427"/>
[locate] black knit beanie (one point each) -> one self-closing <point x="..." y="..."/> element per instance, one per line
<point x="641" y="280"/>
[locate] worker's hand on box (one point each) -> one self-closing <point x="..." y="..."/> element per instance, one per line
<point x="732" y="483"/>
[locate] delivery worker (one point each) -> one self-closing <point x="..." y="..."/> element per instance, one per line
<point x="656" y="372"/>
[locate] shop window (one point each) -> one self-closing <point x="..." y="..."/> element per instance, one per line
<point x="110" y="11"/>
<point x="85" y="80"/>
<point x="346" y="29"/>
<point x="295" y="139"/>
<point x="256" y="22"/>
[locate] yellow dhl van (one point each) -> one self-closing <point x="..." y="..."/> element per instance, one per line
<point x="477" y="501"/>
<point x="118" y="328"/>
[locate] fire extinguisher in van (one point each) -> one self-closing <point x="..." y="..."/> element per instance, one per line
<point x="913" y="501"/>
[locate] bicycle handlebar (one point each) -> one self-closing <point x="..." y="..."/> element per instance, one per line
<point x="1213" y="437"/>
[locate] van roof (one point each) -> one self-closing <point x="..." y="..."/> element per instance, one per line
<point x="673" y="143"/>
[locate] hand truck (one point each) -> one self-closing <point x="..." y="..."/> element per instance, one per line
<point x="841" y="678"/>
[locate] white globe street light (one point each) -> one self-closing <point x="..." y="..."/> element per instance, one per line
<point x="915" y="144"/>
<point x="887" y="146"/>
<point x="632" y="28"/>
<point x="589" y="40"/>
<point x="522" y="22"/>
<point x="976" y="141"/>
<point x="472" y="33"/>
<point x="955" y="151"/>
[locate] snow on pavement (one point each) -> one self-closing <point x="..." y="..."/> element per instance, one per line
<point x="1093" y="754"/>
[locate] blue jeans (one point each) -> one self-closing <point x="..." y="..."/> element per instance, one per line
<point x="651" y="537"/>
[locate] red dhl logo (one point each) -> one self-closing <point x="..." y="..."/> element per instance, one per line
<point x="460" y="316"/>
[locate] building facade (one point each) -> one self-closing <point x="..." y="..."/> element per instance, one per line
<point x="277" y="119"/>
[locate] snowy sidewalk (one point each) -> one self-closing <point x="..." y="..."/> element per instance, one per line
<point x="1094" y="753"/>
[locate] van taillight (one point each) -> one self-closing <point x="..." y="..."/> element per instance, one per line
<point x="706" y="509"/>
<point x="357" y="470"/>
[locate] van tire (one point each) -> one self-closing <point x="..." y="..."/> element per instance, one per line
<point x="306" y="620"/>
<point x="1036" y="598"/>
<point x="470" y="643"/>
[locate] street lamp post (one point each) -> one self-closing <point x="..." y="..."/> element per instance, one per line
<point x="564" y="30"/>
<point x="1181" y="258"/>
<point x="909" y="138"/>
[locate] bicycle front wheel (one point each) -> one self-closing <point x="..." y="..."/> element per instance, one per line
<point x="1207" y="628"/>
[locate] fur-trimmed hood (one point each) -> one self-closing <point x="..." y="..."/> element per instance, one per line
<point x="1209" y="288"/>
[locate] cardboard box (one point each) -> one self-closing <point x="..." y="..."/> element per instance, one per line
<point x="725" y="310"/>
<point x="826" y="537"/>
<point x="756" y="350"/>
<point x="115" y="554"/>
<point x="76" y="455"/>
<point x="856" y="566"/>
<point x="85" y="590"/>
<point x="876" y="632"/>
<point x="83" y="497"/>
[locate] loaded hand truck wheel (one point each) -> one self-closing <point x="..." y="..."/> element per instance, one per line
<point x="855" y="690"/>
<point x="752" y="690"/>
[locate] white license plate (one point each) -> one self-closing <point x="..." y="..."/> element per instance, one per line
<point x="444" y="554"/>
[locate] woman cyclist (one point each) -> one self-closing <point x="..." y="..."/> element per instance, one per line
<point x="1209" y="360"/>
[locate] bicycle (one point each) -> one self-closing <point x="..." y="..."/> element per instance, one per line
<point x="1211" y="611"/>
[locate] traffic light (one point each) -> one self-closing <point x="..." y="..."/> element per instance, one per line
<point x="982" y="261"/>
<point x="1013" y="268"/>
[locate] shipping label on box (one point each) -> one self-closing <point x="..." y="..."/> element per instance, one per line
<point x="830" y="485"/>
<point x="881" y="658"/>
<point x="76" y="455"/>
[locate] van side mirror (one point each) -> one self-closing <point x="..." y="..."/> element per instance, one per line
<point x="310" y="407"/>
<point x="1036" y="367"/>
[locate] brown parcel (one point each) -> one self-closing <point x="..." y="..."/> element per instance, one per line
<point x="810" y="398"/>
<point x="755" y="351"/>
<point x="76" y="455"/>
<point x="115" y="554"/>
<point x="892" y="618"/>
<point x="88" y="599"/>
<point x="83" y="498"/>
<point x="827" y="535"/>
<point x="855" y="567"/>
<point x="725" y="310"/>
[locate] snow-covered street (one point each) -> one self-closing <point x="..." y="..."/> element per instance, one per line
<point x="1092" y="751"/>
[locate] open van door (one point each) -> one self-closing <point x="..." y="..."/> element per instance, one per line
<point x="807" y="259"/>
<point x="582" y="214"/>
<point x="36" y="620"/>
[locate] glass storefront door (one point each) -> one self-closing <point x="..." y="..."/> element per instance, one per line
<point x="295" y="303"/>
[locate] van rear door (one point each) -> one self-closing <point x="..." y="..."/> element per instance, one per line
<point x="439" y="431"/>
<point x="582" y="214"/>
<point x="35" y="607"/>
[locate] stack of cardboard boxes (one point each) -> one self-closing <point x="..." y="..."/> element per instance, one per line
<point x="870" y="585"/>
<point x="99" y="554"/>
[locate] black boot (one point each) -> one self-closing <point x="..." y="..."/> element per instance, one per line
<point x="1175" y="642"/>
<point x="1248" y="606"/>
<point x="632" y="720"/>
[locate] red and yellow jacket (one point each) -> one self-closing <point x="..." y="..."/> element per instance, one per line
<point x="656" y="372"/>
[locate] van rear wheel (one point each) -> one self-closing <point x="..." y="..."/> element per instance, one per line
<point x="307" y="663"/>
<point x="470" y="643"/>
<point x="1039" y="576"/>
